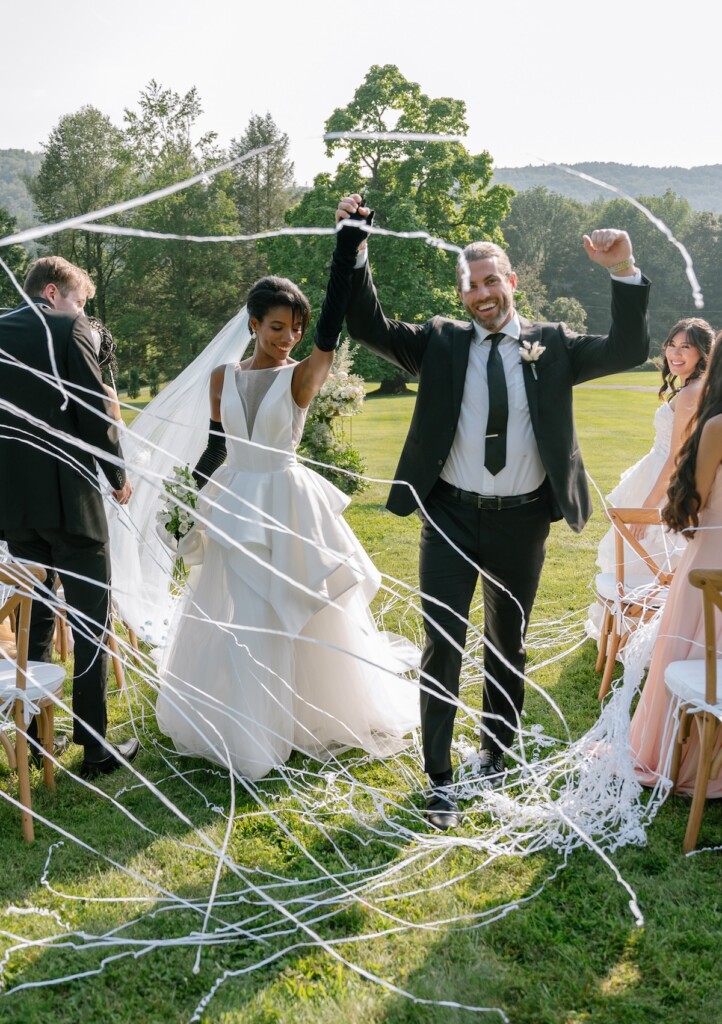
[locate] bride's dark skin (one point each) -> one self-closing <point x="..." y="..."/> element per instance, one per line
<point x="277" y="334"/>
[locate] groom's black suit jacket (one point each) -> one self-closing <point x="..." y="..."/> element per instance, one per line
<point x="438" y="353"/>
<point x="46" y="480"/>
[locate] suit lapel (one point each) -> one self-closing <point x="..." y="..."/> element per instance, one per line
<point x="461" y="343"/>
<point x="531" y="334"/>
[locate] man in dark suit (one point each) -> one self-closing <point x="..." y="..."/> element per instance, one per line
<point x="491" y="458"/>
<point x="53" y="426"/>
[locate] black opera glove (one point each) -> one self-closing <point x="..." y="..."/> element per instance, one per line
<point x="348" y="239"/>
<point x="338" y="290"/>
<point x="214" y="455"/>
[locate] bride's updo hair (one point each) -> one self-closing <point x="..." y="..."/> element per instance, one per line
<point x="701" y="336"/>
<point x="682" y="509"/>
<point x="278" y="291"/>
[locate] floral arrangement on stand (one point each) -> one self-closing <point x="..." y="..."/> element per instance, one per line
<point x="174" y="519"/>
<point x="341" y="396"/>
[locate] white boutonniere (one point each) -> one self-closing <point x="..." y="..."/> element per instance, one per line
<point x="530" y="353"/>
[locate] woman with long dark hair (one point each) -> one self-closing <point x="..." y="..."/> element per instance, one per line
<point x="685" y="353"/>
<point x="693" y="509"/>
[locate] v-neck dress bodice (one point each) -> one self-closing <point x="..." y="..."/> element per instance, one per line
<point x="297" y="661"/>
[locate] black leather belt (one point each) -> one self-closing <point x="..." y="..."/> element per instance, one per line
<point x="488" y="501"/>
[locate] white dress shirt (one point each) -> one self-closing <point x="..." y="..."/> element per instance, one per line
<point x="465" y="467"/>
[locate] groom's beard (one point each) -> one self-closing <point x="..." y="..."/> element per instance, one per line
<point x="497" y="316"/>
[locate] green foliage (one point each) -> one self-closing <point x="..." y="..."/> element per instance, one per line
<point x="177" y="294"/>
<point x="544" y="231"/>
<point x="16" y="259"/>
<point x="154" y="380"/>
<point x="263" y="186"/>
<point x="17" y="168"/>
<point x="413" y="186"/>
<point x="333" y="457"/>
<point x="133" y="383"/>
<point x="324" y="441"/>
<point x="85" y="167"/>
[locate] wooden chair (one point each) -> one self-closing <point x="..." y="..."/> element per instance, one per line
<point x="628" y="600"/>
<point x="41" y="682"/>
<point x="693" y="685"/>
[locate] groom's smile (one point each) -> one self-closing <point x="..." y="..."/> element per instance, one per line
<point x="489" y="298"/>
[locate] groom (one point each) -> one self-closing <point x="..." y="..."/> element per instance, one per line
<point x="491" y="458"/>
<point x="51" y="508"/>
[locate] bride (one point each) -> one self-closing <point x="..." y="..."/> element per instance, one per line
<point x="273" y="647"/>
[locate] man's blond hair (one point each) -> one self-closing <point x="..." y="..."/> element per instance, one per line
<point x="58" y="271"/>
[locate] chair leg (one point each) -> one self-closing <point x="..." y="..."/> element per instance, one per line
<point x="680" y="741"/>
<point x="133" y="640"/>
<point x="603" y="638"/>
<point x="609" y="665"/>
<point x="708" y="730"/>
<point x="61" y="629"/>
<point x="9" y="750"/>
<point x="48" y="720"/>
<point x="117" y="660"/>
<point x="21" y="753"/>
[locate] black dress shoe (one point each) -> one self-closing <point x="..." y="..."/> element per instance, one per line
<point x="491" y="766"/>
<point x="111" y="763"/>
<point x="442" y="809"/>
<point x="60" y="745"/>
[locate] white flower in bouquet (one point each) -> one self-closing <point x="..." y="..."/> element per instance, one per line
<point x="181" y="496"/>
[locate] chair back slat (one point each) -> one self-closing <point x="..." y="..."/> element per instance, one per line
<point x="709" y="582"/>
<point x="622" y="519"/>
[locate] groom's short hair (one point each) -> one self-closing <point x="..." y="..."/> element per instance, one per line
<point x="484" y="251"/>
<point x="60" y="272"/>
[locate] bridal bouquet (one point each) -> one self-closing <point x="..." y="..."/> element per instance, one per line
<point x="341" y="394"/>
<point x="174" y="519"/>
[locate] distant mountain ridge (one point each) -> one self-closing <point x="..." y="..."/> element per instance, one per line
<point x="700" y="186"/>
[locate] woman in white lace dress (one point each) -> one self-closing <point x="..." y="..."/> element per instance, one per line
<point x="644" y="485"/>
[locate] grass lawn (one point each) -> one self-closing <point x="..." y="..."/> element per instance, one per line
<point x="570" y="954"/>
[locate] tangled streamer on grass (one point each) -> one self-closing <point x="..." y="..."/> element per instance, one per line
<point x="344" y="845"/>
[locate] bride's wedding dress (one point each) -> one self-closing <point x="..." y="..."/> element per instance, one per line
<point x="274" y="647"/>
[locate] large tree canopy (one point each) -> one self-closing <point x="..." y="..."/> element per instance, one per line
<point x="413" y="186"/>
<point x="85" y="167"/>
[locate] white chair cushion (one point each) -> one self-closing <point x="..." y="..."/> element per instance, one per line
<point x="642" y="589"/>
<point x="43" y="679"/>
<point x="686" y="680"/>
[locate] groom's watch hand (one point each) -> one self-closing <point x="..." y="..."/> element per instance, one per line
<point x="611" y="248"/>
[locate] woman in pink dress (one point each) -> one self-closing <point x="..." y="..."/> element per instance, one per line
<point x="695" y="506"/>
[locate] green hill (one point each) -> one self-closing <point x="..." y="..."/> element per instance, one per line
<point x="700" y="186"/>
<point x="14" y="197"/>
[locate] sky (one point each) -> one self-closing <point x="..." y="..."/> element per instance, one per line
<point x="563" y="81"/>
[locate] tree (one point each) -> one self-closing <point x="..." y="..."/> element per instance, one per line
<point x="177" y="293"/>
<point x="16" y="259"/>
<point x="571" y="311"/>
<point x="85" y="167"/>
<point x="263" y="187"/>
<point x="413" y="186"/>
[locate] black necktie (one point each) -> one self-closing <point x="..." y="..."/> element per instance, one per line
<point x="495" y="453"/>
